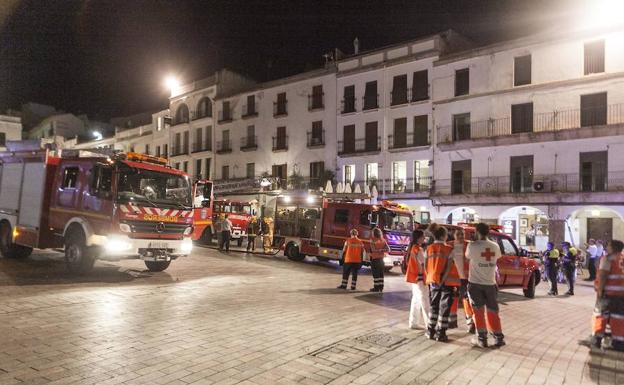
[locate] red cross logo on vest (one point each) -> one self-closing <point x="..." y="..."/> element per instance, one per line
<point x="488" y="254"/>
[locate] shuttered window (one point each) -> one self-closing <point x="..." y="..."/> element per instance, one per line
<point x="522" y="70"/>
<point x="594" y="57"/>
<point x="462" y="82"/>
<point x="420" y="86"/>
<point x="522" y="118"/>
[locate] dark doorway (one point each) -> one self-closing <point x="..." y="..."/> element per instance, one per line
<point x="600" y="228"/>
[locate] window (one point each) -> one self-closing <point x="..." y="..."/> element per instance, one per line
<point x="101" y="179"/>
<point x="400" y="133"/>
<point x="461" y="181"/>
<point x="177" y="144"/>
<point x="316" y="172"/>
<point x="399" y="90"/>
<point x="185" y="166"/>
<point x="365" y="217"/>
<point x="348" y="139"/>
<point x="157" y="150"/>
<point x="199" y="139"/>
<point x="70" y="177"/>
<point x="371" y="96"/>
<point x="185" y="142"/>
<point x="420" y="86"/>
<point x="204" y="108"/>
<point x="316" y="138"/>
<point x="521" y="173"/>
<point x="132" y="148"/>
<point x="207" y="168"/>
<point x="177" y="165"/>
<point x="280" y="142"/>
<point x="225" y="172"/>
<point x="147" y="149"/>
<point x="317" y="97"/>
<point x="522" y="70"/>
<point x="341" y="216"/>
<point x="165" y="150"/>
<point x="593" y="171"/>
<point x="209" y="138"/>
<point x="251" y="105"/>
<point x="461" y="127"/>
<point x="594" y="109"/>
<point x="371" y="140"/>
<point x="421" y="175"/>
<point x="462" y="82"/>
<point x="2" y="139"/>
<point x="182" y="114"/>
<point x="280" y="105"/>
<point x="594" y="57"/>
<point x="198" y="168"/>
<point x="372" y="173"/>
<point x="399" y="176"/>
<point x="507" y="247"/>
<point x="226" y="114"/>
<point x="521" y="118"/>
<point x="349" y="173"/>
<point x="421" y="130"/>
<point x="250" y="171"/>
<point x="348" y="103"/>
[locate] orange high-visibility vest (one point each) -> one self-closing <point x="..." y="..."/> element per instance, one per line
<point x="377" y="248"/>
<point x="354" y="251"/>
<point x="614" y="287"/>
<point x="466" y="260"/>
<point x="438" y="255"/>
<point x="413" y="274"/>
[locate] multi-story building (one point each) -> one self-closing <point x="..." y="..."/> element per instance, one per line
<point x="10" y="129"/>
<point x="529" y="135"/>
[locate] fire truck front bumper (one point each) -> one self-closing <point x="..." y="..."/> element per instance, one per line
<point x="120" y="246"/>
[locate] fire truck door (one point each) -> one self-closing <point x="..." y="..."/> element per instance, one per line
<point x="70" y="184"/>
<point x="97" y="196"/>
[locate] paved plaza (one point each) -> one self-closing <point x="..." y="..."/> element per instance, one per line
<point x="234" y="319"/>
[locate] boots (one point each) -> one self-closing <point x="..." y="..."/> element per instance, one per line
<point x="442" y="337"/>
<point x="431" y="333"/>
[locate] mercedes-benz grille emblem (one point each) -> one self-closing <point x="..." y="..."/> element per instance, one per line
<point x="160" y="227"/>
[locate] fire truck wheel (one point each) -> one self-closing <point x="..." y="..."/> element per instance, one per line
<point x="156" y="266"/>
<point x="529" y="292"/>
<point x="79" y="258"/>
<point x="8" y="249"/>
<point x="292" y="252"/>
<point x="206" y="237"/>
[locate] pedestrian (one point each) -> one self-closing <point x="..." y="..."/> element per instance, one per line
<point x="551" y="265"/>
<point x="443" y="281"/>
<point x="569" y="256"/>
<point x="226" y="233"/>
<point x="218" y="226"/>
<point x="591" y="251"/>
<point x="460" y="245"/>
<point x="252" y="232"/>
<point x="419" y="309"/>
<point x="352" y="256"/>
<point x="482" y="288"/>
<point x="378" y="249"/>
<point x="609" y="307"/>
<point x="600" y="250"/>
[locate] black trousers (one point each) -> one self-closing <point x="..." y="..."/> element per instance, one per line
<point x="569" y="270"/>
<point x="377" y="268"/>
<point x="225" y="239"/>
<point x="350" y="268"/>
<point x="551" y="273"/>
<point x="591" y="266"/>
<point x="251" y="243"/>
<point x="441" y="298"/>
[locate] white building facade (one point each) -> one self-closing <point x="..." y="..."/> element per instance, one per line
<point x="10" y="129"/>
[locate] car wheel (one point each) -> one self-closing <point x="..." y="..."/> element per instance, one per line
<point x="529" y="292"/>
<point x="79" y="259"/>
<point x="8" y="249"/>
<point x="292" y="252"/>
<point x="156" y="266"/>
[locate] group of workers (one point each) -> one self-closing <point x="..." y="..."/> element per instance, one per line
<point x="255" y="228"/>
<point x="440" y="273"/>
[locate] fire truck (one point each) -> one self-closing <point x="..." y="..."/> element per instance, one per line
<point x="203" y="228"/>
<point x="94" y="206"/>
<point x="239" y="213"/>
<point x="318" y="226"/>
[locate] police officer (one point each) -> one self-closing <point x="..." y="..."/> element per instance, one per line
<point x="551" y="265"/>
<point x="569" y="254"/>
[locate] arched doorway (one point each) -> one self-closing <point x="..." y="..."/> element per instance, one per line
<point x="597" y="222"/>
<point x="462" y="215"/>
<point x="527" y="225"/>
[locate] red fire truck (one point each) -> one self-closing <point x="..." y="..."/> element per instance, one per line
<point x="239" y="213"/>
<point x="318" y="226"/>
<point x="95" y="206"/>
<point x="203" y="228"/>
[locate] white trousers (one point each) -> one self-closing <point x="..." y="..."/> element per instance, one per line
<point x="419" y="310"/>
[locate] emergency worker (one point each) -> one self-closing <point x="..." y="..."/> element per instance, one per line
<point x="569" y="255"/>
<point x="352" y="255"/>
<point x="551" y="266"/>
<point x="252" y="232"/>
<point x="609" y="307"/>
<point x="378" y="249"/>
<point x="460" y="246"/>
<point x="414" y="274"/>
<point x="482" y="289"/>
<point x="226" y="233"/>
<point x="443" y="281"/>
<point x="267" y="235"/>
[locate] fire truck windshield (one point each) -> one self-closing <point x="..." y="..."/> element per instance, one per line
<point x="390" y="220"/>
<point x="152" y="187"/>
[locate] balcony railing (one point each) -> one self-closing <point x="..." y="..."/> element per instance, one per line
<point x="280" y="108"/>
<point x="399" y="97"/>
<point x="370" y="102"/>
<point x="396" y="185"/>
<point x="552" y="183"/>
<point x="316" y="140"/>
<point x="202" y="146"/>
<point x="359" y="146"/>
<point x="179" y="150"/>
<point x="542" y="122"/>
<point x="407" y="141"/>
<point x="249" y="143"/>
<point x="250" y="110"/>
<point x="224" y="146"/>
<point x="225" y="116"/>
<point x="348" y="105"/>
<point x="316" y="101"/>
<point x="195" y="115"/>
<point x="280" y="143"/>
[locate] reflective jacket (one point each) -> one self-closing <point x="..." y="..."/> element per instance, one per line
<point x="614" y="287"/>
<point x="378" y="248"/>
<point x="414" y="273"/>
<point x="438" y="257"/>
<point x="354" y="250"/>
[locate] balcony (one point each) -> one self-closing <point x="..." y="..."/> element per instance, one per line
<point x="250" y="110"/>
<point x="179" y="150"/>
<point x="225" y="116"/>
<point x="224" y="146"/>
<point x="370" y="102"/>
<point x="407" y="141"/>
<point x="399" y="97"/>
<point x="202" y="146"/>
<point x="249" y="143"/>
<point x="397" y="187"/>
<point x="280" y="108"/>
<point x="316" y="101"/>
<point x="280" y="143"/>
<point x="348" y="105"/>
<point x="315" y="141"/>
<point x="196" y="115"/>
<point x="549" y="126"/>
<point x="359" y="146"/>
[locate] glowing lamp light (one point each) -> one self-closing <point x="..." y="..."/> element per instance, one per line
<point x="287" y="199"/>
<point x="172" y="83"/>
<point x="603" y="13"/>
<point x="595" y="213"/>
<point x="310" y="199"/>
<point x="97" y="135"/>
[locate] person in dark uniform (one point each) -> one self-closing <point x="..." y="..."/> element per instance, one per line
<point x="569" y="254"/>
<point x="551" y="265"/>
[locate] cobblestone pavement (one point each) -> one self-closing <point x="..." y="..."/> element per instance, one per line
<point x="228" y="319"/>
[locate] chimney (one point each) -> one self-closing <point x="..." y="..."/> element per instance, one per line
<point x="356" y="46"/>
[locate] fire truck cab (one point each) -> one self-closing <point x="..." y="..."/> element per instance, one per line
<point x="203" y="228"/>
<point x="94" y="206"/>
<point x="239" y="213"/>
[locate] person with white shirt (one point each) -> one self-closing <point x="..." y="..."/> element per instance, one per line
<point x="482" y="289"/>
<point x="592" y="253"/>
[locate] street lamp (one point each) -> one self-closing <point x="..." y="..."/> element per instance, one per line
<point x="97" y="135"/>
<point x="172" y="83"/>
<point x="603" y="13"/>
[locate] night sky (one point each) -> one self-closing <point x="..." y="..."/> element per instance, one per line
<point x="108" y="58"/>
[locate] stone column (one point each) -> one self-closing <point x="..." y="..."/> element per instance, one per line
<point x="556" y="229"/>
